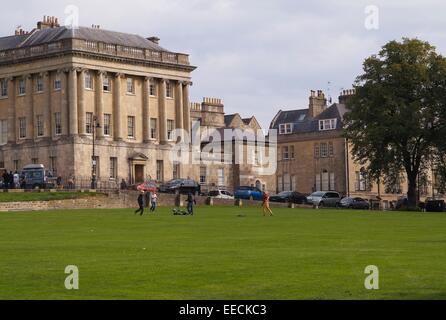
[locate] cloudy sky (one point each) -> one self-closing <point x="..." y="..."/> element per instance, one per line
<point x="258" y="56"/>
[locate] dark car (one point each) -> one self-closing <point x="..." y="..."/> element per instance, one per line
<point x="183" y="186"/>
<point x="433" y="205"/>
<point x="248" y="193"/>
<point x="289" y="196"/>
<point x="354" y="203"/>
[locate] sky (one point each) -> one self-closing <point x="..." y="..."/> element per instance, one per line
<point x="258" y="56"/>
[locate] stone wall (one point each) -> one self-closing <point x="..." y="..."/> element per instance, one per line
<point x="119" y="201"/>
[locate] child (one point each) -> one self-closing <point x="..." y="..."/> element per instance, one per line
<point x="154" y="201"/>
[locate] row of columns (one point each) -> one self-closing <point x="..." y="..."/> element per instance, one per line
<point x="73" y="110"/>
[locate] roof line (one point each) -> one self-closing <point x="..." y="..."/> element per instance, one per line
<point x="273" y="122"/>
<point x="29" y="35"/>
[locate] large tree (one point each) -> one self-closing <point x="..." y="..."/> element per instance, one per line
<point x="397" y="118"/>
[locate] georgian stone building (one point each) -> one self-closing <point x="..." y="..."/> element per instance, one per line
<point x="68" y="94"/>
<point x="58" y="85"/>
<point x="238" y="170"/>
<point x="313" y="155"/>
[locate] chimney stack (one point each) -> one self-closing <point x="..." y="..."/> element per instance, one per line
<point x="21" y="32"/>
<point x="48" y="22"/>
<point x="346" y="95"/>
<point x="318" y="103"/>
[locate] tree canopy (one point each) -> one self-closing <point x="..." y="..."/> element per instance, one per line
<point x="397" y="118"/>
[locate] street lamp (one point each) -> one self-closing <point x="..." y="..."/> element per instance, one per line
<point x="96" y="125"/>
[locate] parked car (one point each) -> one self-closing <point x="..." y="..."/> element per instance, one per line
<point x="183" y="186"/>
<point x="435" y="205"/>
<point x="324" y="199"/>
<point x="289" y="196"/>
<point x="354" y="203"/>
<point x="248" y="193"/>
<point x="36" y="176"/>
<point x="221" y="194"/>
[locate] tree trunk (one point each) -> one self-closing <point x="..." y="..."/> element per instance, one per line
<point x="412" y="191"/>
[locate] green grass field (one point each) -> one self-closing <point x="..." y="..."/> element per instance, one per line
<point x="43" y="196"/>
<point x="222" y="253"/>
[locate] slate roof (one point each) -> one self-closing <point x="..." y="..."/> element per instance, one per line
<point x="38" y="37"/>
<point x="247" y="121"/>
<point x="303" y="123"/>
<point x="229" y="118"/>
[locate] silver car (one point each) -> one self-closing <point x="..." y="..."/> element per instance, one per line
<point x="324" y="199"/>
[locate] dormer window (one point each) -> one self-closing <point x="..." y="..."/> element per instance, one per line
<point x="286" y="128"/>
<point x="328" y="124"/>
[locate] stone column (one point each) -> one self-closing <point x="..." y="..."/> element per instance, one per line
<point x="72" y="103"/>
<point x="48" y="110"/>
<point x="117" y="128"/>
<point x="64" y="101"/>
<point x="186" y="107"/>
<point x="146" y="110"/>
<point x="179" y="108"/>
<point x="100" y="103"/>
<point x="162" y="111"/>
<point x="29" y="107"/>
<point x="12" y="119"/>
<point x="81" y="103"/>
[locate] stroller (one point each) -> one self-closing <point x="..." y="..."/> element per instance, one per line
<point x="179" y="212"/>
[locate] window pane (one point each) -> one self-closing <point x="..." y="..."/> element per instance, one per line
<point x="131" y="127"/>
<point x="89" y="123"/>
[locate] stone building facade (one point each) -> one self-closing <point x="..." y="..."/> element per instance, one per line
<point x="314" y="156"/>
<point x="68" y="94"/>
<point x="239" y="169"/>
<point x="61" y="84"/>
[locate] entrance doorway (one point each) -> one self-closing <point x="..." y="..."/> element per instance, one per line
<point x="137" y="168"/>
<point x="139" y="173"/>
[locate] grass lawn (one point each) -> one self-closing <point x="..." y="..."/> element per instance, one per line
<point x="43" y="196"/>
<point x="222" y="253"/>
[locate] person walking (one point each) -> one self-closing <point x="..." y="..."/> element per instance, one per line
<point x="23" y="181"/>
<point x="16" y="180"/>
<point x="123" y="185"/>
<point x="5" y="180"/>
<point x="154" y="201"/>
<point x="71" y="183"/>
<point x="190" y="203"/>
<point x="140" y="203"/>
<point x="266" y="207"/>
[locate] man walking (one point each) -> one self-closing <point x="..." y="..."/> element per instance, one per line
<point x="140" y="203"/>
<point x="190" y="203"/>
